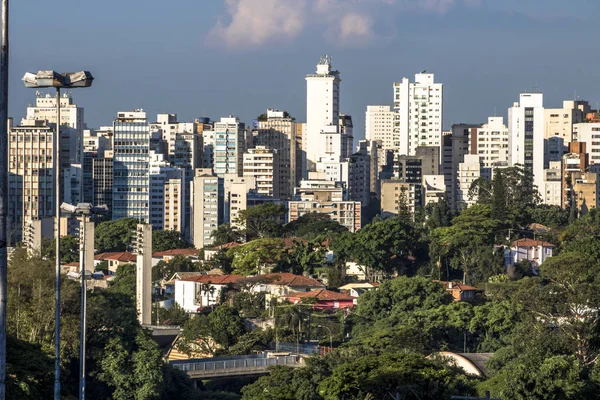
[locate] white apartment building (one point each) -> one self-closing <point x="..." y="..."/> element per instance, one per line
<point x="589" y="133"/>
<point x="262" y="163"/>
<point x="552" y="192"/>
<point x="230" y="144"/>
<point x="434" y="189"/>
<point x="208" y="149"/>
<point x="322" y="113"/>
<point x="207" y="202"/>
<point x="468" y="172"/>
<point x="71" y="119"/>
<point x="418" y="109"/>
<point x="492" y="143"/>
<point x="278" y="132"/>
<point x="235" y="195"/>
<point x="379" y="126"/>
<point x="526" y="135"/>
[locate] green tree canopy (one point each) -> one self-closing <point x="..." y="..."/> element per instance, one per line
<point x="262" y="221"/>
<point x="167" y="240"/>
<point x="115" y="235"/>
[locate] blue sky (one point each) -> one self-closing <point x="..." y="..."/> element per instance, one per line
<point x="218" y="57"/>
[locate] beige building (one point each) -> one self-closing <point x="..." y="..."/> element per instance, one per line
<point x="236" y="191"/>
<point x="585" y="190"/>
<point x="174" y="190"/>
<point x="491" y="143"/>
<point x="552" y="190"/>
<point x="379" y="126"/>
<point x="206" y="200"/>
<point x="346" y="213"/>
<point x="320" y="190"/>
<point x="396" y="194"/>
<point x="558" y="122"/>
<point x="31" y="175"/>
<point x="278" y="132"/>
<point x="300" y="154"/>
<point x="589" y="133"/>
<point x="263" y="164"/>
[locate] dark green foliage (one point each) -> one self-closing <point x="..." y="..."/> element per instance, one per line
<point x="179" y="263"/>
<point x="225" y="233"/>
<point x="167" y="240"/>
<point x="262" y="221"/>
<point x="314" y="226"/>
<point x="115" y="235"/>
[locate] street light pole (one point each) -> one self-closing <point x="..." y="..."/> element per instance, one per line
<point x="83" y="315"/>
<point x="3" y="193"/>
<point x="56" y="173"/>
<point x="330" y="335"/>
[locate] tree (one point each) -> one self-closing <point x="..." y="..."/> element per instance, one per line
<point x="262" y="221"/>
<point x="179" y="263"/>
<point x="225" y="233"/>
<point x="249" y="258"/>
<point x="115" y="235"/>
<point x="499" y="209"/>
<point x="69" y="249"/>
<point x="167" y="240"/>
<point x="314" y="226"/>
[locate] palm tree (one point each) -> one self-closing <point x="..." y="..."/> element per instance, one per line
<point x="225" y="233"/>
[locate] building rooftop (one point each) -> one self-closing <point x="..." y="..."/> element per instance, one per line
<point x="175" y="252"/>
<point x="214" y="279"/>
<point x="531" y="243"/>
<point x="321" y="294"/>
<point x="123" y="256"/>
<point x="287" y="279"/>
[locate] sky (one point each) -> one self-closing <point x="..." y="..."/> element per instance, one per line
<point x="214" y="58"/>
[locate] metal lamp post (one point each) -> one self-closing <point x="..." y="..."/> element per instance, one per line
<point x="69" y="80"/>
<point x="330" y="335"/>
<point x="85" y="210"/>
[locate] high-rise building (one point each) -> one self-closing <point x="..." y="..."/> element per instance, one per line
<point x="379" y="125"/>
<point x="208" y="148"/>
<point x="207" y="206"/>
<point x="301" y="170"/>
<point x="347" y="137"/>
<point x="278" y="132"/>
<point x="492" y="143"/>
<point x="526" y="135"/>
<point x="235" y="189"/>
<point x="131" y="165"/>
<point x="418" y="119"/>
<point x="346" y="213"/>
<point x="71" y="119"/>
<point x="552" y="189"/>
<point x="167" y="194"/>
<point x="31" y="176"/>
<point x="434" y="189"/>
<point x="229" y="146"/>
<point x="322" y="135"/>
<point x="558" y="122"/>
<point x="468" y="172"/>
<point x="397" y="196"/>
<point x="589" y="133"/>
<point x="102" y="180"/>
<point x="262" y="163"/>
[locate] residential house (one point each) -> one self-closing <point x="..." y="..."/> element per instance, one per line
<point x="168" y="255"/>
<point x="321" y="299"/>
<point x="115" y="259"/>
<point x="358" y="289"/>
<point x="535" y="251"/>
<point x="196" y="292"/>
<point x="460" y="291"/>
<point x="278" y="284"/>
<point x="210" y="252"/>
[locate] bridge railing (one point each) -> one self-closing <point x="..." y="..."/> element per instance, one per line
<point x="230" y="366"/>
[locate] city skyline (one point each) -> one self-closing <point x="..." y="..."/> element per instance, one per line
<point x="165" y="72"/>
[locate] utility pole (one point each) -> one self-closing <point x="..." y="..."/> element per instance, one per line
<point x="3" y="193"/>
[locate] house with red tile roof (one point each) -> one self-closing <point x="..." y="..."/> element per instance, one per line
<point x="321" y="299"/>
<point x="535" y="251"/>
<point x="277" y="284"/>
<point x="166" y="256"/>
<point x="193" y="293"/>
<point x="115" y="259"/>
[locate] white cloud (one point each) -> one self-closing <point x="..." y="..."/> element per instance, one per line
<point x="256" y="22"/>
<point x="252" y="23"/>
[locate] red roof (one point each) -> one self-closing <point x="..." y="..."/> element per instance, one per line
<point x="72" y="264"/>
<point x="123" y="256"/>
<point x="214" y="279"/>
<point x="291" y="280"/>
<point x="456" y="286"/>
<point x="531" y="243"/>
<point x="176" y="252"/>
<point x="322" y="294"/>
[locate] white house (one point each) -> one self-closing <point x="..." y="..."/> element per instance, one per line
<point x="277" y="284"/>
<point x="535" y="251"/>
<point x="195" y="292"/>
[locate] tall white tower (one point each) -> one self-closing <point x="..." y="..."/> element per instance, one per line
<point x="322" y="113"/>
<point x="143" y="287"/>
<point x="419" y="114"/>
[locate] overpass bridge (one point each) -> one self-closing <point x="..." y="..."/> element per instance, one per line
<point x="234" y="366"/>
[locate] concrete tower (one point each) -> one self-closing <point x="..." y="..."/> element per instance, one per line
<point x="143" y="287"/>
